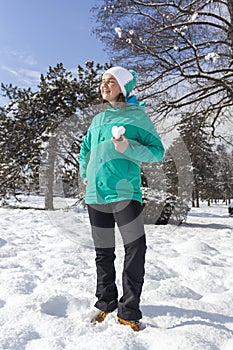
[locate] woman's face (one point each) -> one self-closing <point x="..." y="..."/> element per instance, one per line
<point x="110" y="89"/>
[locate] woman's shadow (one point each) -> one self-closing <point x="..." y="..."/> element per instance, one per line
<point x="204" y="318"/>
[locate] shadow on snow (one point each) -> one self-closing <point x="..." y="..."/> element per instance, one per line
<point x="197" y="317"/>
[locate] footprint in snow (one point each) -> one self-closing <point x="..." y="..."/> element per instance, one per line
<point x="2" y="242"/>
<point x="2" y="303"/>
<point x="55" y="306"/>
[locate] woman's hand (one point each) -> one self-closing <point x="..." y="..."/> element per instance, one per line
<point x="121" y="144"/>
<point x="85" y="182"/>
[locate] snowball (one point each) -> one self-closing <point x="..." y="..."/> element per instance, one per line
<point x="118" y="131"/>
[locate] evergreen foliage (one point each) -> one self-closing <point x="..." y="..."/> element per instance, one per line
<point x="19" y="146"/>
<point x="42" y="130"/>
<point x="223" y="174"/>
<point x="194" y="132"/>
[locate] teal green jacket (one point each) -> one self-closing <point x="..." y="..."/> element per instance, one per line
<point x="113" y="176"/>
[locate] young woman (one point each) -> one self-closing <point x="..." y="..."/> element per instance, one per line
<point x="118" y="139"/>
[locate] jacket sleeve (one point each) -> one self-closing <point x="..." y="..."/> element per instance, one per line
<point x="148" y="147"/>
<point x="84" y="154"/>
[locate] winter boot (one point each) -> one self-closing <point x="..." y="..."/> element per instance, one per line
<point x="135" y="325"/>
<point x="100" y="317"/>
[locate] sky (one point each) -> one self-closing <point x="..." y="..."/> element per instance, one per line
<point x="37" y="34"/>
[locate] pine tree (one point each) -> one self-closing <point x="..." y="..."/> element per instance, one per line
<point x="178" y="169"/>
<point x="154" y="190"/>
<point x="19" y="146"/>
<point x="195" y="136"/>
<point x="47" y="127"/>
<point x="223" y="173"/>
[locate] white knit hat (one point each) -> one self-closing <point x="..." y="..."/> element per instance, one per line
<point x="127" y="79"/>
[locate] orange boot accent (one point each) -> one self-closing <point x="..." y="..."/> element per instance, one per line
<point x="135" y="325"/>
<point x="100" y="317"/>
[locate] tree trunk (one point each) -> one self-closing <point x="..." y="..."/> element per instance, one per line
<point x="193" y="199"/>
<point x="197" y="196"/>
<point x="50" y="174"/>
<point x="230" y="32"/>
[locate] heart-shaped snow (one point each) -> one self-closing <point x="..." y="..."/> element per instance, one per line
<point x="118" y="131"/>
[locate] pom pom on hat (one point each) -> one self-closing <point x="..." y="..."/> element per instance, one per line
<point x="127" y="79"/>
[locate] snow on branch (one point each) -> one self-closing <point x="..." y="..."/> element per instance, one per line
<point x="212" y="56"/>
<point x="118" y="30"/>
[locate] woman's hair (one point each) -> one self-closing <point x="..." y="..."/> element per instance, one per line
<point x="121" y="99"/>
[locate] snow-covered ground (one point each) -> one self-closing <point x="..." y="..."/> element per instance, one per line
<point x="47" y="283"/>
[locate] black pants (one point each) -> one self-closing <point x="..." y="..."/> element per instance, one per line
<point x="129" y="218"/>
